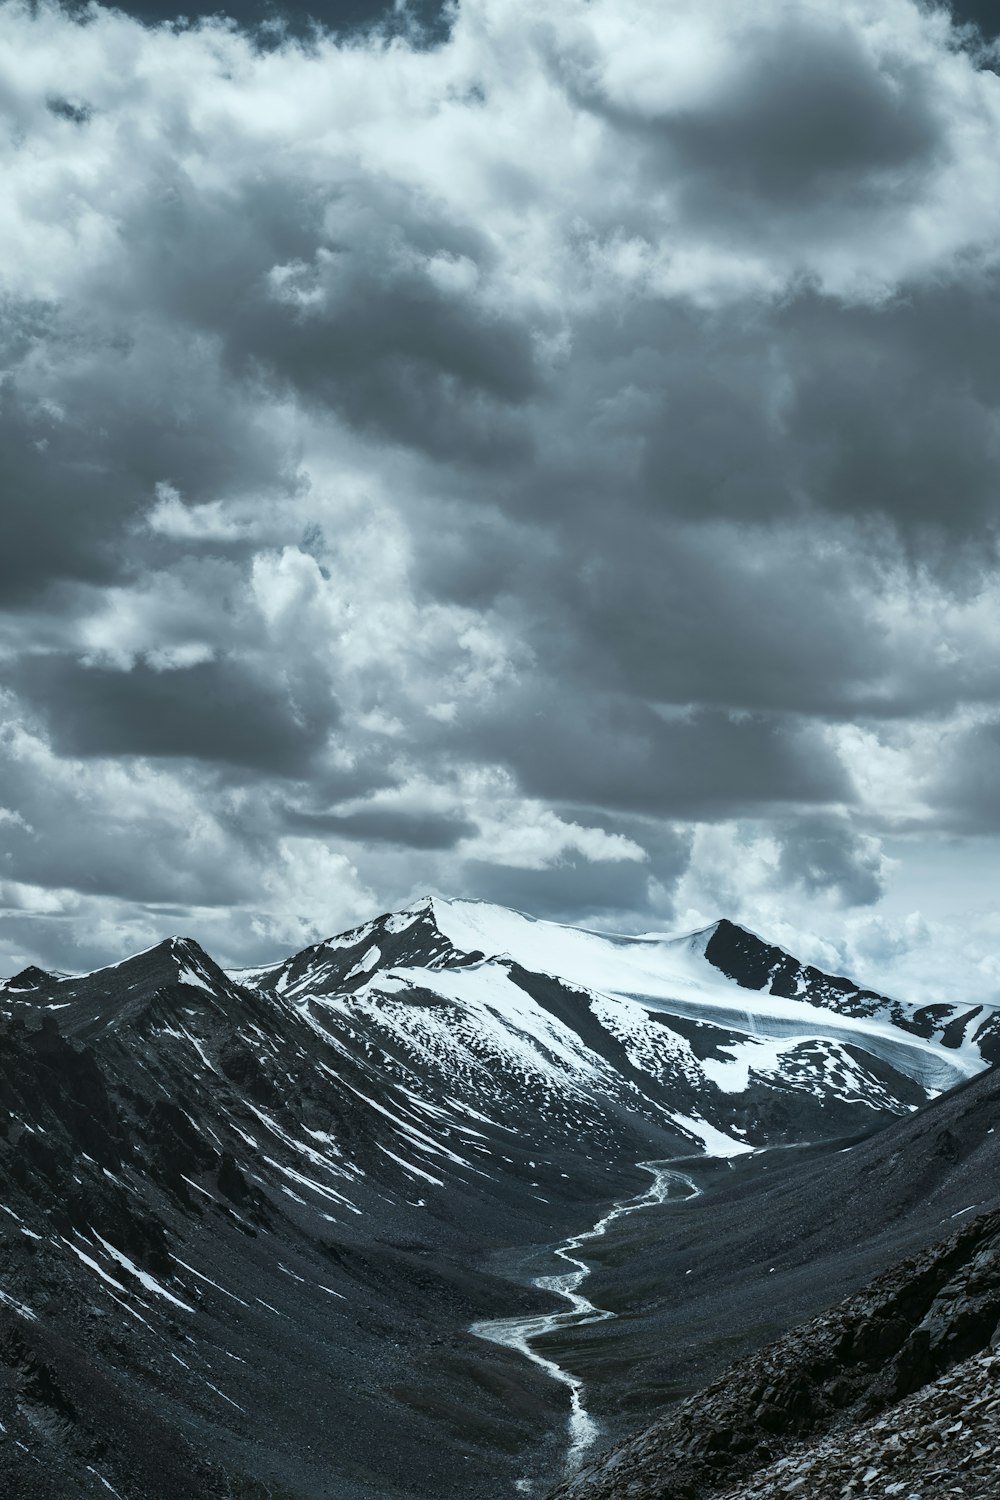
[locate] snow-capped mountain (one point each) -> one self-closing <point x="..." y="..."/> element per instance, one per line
<point x="236" y="1202"/>
<point x="714" y="1033"/>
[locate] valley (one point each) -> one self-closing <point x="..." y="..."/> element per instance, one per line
<point x="376" y="1221"/>
<point x="522" y="1333"/>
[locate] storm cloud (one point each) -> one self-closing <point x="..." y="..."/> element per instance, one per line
<point x="545" y="457"/>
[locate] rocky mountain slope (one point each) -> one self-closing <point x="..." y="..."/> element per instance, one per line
<point x="756" y="964"/>
<point x="940" y="1442"/>
<point x="248" y="1219"/>
<point x="892" y="1392"/>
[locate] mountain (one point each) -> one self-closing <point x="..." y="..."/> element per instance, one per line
<point x="248" y="1219"/>
<point x="666" y="1026"/>
<point x="755" y="964"/>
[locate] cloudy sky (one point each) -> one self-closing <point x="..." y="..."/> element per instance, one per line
<point x="547" y="453"/>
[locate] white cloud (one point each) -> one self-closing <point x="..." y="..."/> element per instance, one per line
<point x="310" y="892"/>
<point x="527" y="836"/>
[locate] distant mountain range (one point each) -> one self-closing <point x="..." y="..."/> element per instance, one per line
<point x="248" y="1218"/>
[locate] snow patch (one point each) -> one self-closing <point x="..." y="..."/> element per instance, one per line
<point x="716" y="1142"/>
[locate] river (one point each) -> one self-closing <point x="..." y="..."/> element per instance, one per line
<point x="521" y="1333"/>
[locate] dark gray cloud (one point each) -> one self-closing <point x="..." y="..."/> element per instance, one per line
<point x="895" y="412"/>
<point x="333" y="292"/>
<point x="615" y="753"/>
<point x="826" y="856"/>
<point x="90" y="423"/>
<point x="410" y="830"/>
<point x="965" y="780"/>
<point x="561" y="892"/>
<point x="810" y="114"/>
<point x="212" y="711"/>
<point x="867" y="411"/>
<point x="361" y="15"/>
<point x="270" y="20"/>
<point x="808" y="121"/>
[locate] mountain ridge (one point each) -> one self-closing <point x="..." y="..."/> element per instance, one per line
<point x="307" y="1181"/>
<point x="669" y="1014"/>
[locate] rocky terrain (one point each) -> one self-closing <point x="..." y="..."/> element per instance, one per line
<point x="941" y="1442"/>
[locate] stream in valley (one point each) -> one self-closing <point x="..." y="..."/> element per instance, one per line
<point x="521" y="1333"/>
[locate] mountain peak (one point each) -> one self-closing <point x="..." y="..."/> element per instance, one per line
<point x="187" y="949"/>
<point x="743" y="956"/>
<point x="176" y="955"/>
<point x="29" y="978"/>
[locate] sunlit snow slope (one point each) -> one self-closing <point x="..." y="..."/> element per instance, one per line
<point x="715" y="1032"/>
